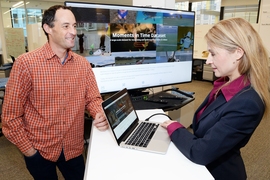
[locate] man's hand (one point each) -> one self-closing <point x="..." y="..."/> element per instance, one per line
<point x="100" y="122"/>
<point x="30" y="152"/>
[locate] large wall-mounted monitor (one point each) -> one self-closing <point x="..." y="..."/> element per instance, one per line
<point x="136" y="47"/>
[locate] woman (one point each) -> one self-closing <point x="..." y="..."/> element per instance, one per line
<point x="234" y="108"/>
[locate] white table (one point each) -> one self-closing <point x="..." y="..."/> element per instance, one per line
<point x="106" y="160"/>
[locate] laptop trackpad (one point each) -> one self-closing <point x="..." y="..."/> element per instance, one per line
<point x="162" y="135"/>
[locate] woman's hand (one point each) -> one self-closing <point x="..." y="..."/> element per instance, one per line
<point x="165" y="124"/>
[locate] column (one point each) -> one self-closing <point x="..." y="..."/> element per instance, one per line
<point x="264" y="23"/>
<point x="2" y="39"/>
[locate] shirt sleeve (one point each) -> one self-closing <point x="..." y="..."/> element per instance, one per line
<point x="173" y="126"/>
<point x="93" y="97"/>
<point x="16" y="92"/>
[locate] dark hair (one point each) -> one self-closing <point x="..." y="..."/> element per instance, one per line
<point x="49" y="16"/>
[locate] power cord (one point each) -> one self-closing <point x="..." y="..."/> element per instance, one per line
<point x="147" y="119"/>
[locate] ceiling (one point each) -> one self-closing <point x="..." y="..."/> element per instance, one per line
<point x="48" y="3"/>
<point x="44" y="4"/>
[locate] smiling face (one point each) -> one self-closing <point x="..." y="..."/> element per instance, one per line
<point x="223" y="62"/>
<point x="62" y="34"/>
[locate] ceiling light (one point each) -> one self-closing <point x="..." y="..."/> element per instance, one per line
<point x="17" y="4"/>
<point x="15" y="7"/>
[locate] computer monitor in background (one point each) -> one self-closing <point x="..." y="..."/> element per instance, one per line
<point x="136" y="47"/>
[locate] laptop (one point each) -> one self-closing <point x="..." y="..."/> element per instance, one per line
<point x="124" y="123"/>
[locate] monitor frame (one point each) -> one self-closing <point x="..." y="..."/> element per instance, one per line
<point x="112" y="77"/>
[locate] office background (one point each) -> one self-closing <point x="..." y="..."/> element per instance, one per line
<point x="207" y="13"/>
<point x="255" y="154"/>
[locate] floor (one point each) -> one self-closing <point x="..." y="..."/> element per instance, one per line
<point x="255" y="154"/>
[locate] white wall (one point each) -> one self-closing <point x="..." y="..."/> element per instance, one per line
<point x="200" y="43"/>
<point x="264" y="23"/>
<point x="6" y="18"/>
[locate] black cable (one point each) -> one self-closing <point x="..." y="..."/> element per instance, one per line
<point x="147" y="119"/>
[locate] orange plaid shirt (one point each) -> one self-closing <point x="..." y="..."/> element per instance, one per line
<point x="45" y="102"/>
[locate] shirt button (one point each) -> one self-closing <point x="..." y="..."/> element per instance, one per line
<point x="64" y="108"/>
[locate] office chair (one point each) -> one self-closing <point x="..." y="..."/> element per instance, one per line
<point x="2" y="100"/>
<point x="13" y="58"/>
<point x="9" y="64"/>
<point x="1" y="134"/>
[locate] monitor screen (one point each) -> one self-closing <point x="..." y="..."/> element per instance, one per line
<point x="136" y="47"/>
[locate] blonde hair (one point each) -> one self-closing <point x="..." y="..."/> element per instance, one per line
<point x="234" y="33"/>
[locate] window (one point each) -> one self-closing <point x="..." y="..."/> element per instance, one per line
<point x="18" y="19"/>
<point x="34" y="16"/>
<point x="181" y="5"/>
<point x="248" y="13"/>
<point x="207" y="12"/>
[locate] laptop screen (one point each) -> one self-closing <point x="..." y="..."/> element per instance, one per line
<point x="120" y="113"/>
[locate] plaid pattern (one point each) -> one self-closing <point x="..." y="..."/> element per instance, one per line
<point x="45" y="103"/>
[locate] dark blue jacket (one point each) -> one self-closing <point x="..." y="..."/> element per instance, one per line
<point x="222" y="129"/>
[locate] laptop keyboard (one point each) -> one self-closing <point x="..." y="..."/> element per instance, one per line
<point x="143" y="134"/>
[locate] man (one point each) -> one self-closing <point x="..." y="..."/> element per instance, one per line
<point x="46" y="96"/>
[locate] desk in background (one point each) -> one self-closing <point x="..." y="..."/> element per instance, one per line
<point x="181" y="110"/>
<point x="173" y="104"/>
<point x="202" y="71"/>
<point x="5" y="71"/>
<point x="106" y="160"/>
<point x="4" y="68"/>
<point x="3" y="82"/>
